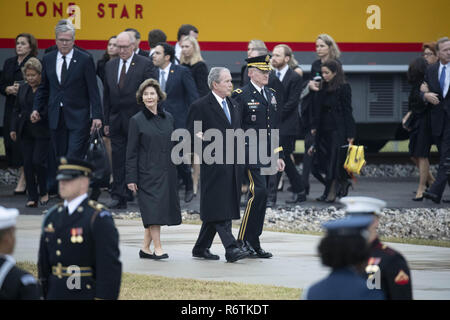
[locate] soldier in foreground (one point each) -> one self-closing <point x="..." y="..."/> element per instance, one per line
<point x="15" y="284"/>
<point x="79" y="246"/>
<point x="386" y="268"/>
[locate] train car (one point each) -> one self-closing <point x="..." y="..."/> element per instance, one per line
<point x="378" y="38"/>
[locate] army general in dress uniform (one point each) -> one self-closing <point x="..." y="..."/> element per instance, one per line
<point x="386" y="269"/>
<point x="259" y="110"/>
<point x="15" y="284"/>
<point x="79" y="246"/>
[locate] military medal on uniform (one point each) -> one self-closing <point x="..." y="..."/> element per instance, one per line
<point x="76" y="235"/>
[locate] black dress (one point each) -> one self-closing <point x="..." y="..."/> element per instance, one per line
<point x="150" y="167"/>
<point x="199" y="72"/>
<point x="420" y="124"/>
<point x="12" y="72"/>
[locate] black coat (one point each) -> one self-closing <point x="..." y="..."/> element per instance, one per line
<point x="88" y="239"/>
<point x="149" y="165"/>
<point x="21" y="115"/>
<point x="200" y="74"/>
<point x="220" y="183"/>
<point x="17" y="284"/>
<point x="340" y="103"/>
<point x="292" y="86"/>
<point x="120" y="104"/>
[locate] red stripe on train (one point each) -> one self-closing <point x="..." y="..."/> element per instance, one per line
<point x="242" y="46"/>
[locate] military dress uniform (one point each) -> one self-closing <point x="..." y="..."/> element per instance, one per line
<point x="79" y="252"/>
<point x="257" y="112"/>
<point x="385" y="266"/>
<point x="15" y="284"/>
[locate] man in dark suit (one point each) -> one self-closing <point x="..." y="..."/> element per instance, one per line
<point x="289" y="127"/>
<point x="437" y="78"/>
<point x="137" y="37"/>
<point x="220" y="192"/>
<point x="68" y="94"/>
<point x="177" y="82"/>
<point x="123" y="76"/>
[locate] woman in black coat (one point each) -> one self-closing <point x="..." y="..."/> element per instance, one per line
<point x="334" y="126"/>
<point x="418" y="122"/>
<point x="33" y="138"/>
<point x="26" y="47"/>
<point x="149" y="169"/>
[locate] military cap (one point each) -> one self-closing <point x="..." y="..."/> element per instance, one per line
<point x="260" y="62"/>
<point x="8" y="217"/>
<point x="70" y="168"/>
<point x="363" y="205"/>
<point x="349" y="226"/>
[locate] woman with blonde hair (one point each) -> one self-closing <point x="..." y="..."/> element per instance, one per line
<point x="191" y="58"/>
<point x="149" y="169"/>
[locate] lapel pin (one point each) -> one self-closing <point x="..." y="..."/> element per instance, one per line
<point x="74" y="61"/>
<point x="132" y="63"/>
<point x="171" y="71"/>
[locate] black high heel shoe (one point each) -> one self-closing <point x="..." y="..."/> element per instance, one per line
<point x="44" y="203"/>
<point x="31" y="204"/>
<point x="417" y="199"/>
<point x="322" y="198"/>
<point x="16" y="193"/>
<point x="343" y="190"/>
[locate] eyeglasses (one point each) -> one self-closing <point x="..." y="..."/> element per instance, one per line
<point x="64" y="40"/>
<point x="123" y="47"/>
<point x="427" y="54"/>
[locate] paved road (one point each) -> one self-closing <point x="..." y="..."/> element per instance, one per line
<point x="396" y="192"/>
<point x="294" y="264"/>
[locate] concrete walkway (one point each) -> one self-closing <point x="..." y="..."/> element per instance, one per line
<point x="295" y="263"/>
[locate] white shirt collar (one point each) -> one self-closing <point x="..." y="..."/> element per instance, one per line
<point x="151" y="52"/>
<point x="73" y="205"/>
<point x="128" y="60"/>
<point x="256" y="86"/>
<point x="166" y="70"/>
<point x="219" y="99"/>
<point x="446" y="65"/>
<point x="282" y="71"/>
<point x="8" y="257"/>
<point x="69" y="55"/>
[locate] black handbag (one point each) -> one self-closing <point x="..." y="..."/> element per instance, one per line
<point x="98" y="157"/>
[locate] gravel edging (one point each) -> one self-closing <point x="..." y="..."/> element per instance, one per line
<point x="420" y="223"/>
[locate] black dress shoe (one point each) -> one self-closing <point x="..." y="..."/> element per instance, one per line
<point x="163" y="256"/>
<point x="433" y="197"/>
<point x="188" y="196"/>
<point x="247" y="247"/>
<point x="261" y="253"/>
<point x="144" y="255"/>
<point x="205" y="254"/>
<point x="235" y="254"/>
<point x="117" y="204"/>
<point x="297" y="198"/>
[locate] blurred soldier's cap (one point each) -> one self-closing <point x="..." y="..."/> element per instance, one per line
<point x="349" y="226"/>
<point x="69" y="168"/>
<point x="260" y="62"/>
<point x="356" y="206"/>
<point x="8" y="217"/>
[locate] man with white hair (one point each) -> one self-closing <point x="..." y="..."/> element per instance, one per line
<point x="15" y="284"/>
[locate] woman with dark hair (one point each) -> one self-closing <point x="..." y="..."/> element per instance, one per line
<point x="345" y="249"/>
<point x="418" y="122"/>
<point x="26" y="47"/>
<point x="149" y="169"/>
<point x="111" y="52"/>
<point x="33" y="138"/>
<point x="334" y="126"/>
<point x="429" y="52"/>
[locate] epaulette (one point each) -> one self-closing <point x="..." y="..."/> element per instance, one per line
<point x="97" y="206"/>
<point x="238" y="90"/>
<point x="273" y="89"/>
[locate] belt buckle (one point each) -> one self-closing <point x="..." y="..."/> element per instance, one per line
<point x="58" y="270"/>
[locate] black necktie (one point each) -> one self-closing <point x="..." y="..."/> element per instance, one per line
<point x="262" y="95"/>
<point x="123" y="73"/>
<point x="63" y="70"/>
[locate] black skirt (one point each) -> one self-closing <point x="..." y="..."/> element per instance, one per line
<point x="420" y="135"/>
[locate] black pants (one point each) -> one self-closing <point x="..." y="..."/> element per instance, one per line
<point x="253" y="220"/>
<point x="208" y="232"/>
<point x="119" y="142"/>
<point x="443" y="145"/>
<point x="72" y="143"/>
<point x="35" y="157"/>
<point x="308" y="163"/>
